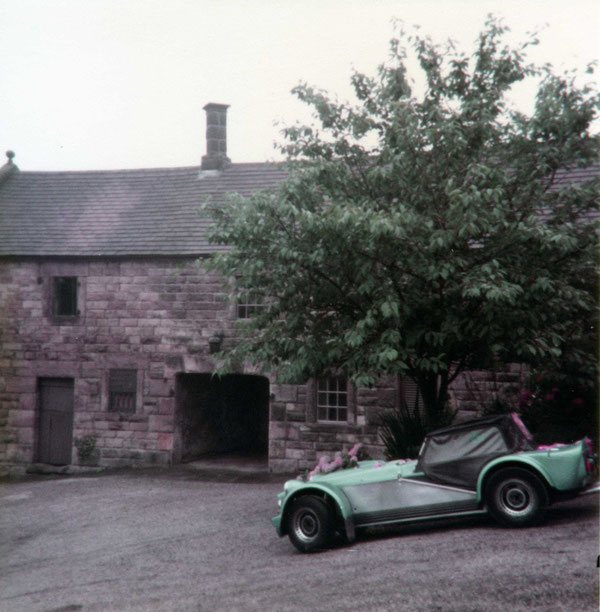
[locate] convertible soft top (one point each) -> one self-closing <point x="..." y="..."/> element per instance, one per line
<point x="455" y="455"/>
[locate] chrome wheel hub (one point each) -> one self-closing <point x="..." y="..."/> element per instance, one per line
<point x="515" y="497"/>
<point x="306" y="525"/>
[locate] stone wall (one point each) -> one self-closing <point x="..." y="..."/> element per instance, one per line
<point x="476" y="389"/>
<point x="150" y="316"/>
<point x="156" y="317"/>
<point x="298" y="440"/>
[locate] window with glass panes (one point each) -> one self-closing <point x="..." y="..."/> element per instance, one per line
<point x="332" y="399"/>
<point x="408" y="395"/>
<point x="247" y="304"/>
<point x="64" y="296"/>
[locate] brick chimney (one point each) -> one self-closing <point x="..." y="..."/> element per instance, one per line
<point x="216" y="137"/>
<point x="8" y="168"/>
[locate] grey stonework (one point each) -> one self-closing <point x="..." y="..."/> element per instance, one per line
<point x="475" y="389"/>
<point x="156" y="317"/>
<point x="144" y="315"/>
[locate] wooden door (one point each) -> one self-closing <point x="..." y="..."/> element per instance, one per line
<point x="56" y="421"/>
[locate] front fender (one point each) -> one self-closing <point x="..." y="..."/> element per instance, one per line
<point x="295" y="489"/>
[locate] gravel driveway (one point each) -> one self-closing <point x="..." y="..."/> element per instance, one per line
<point x="180" y="540"/>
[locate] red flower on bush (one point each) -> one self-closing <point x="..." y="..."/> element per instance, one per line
<point x="526" y="398"/>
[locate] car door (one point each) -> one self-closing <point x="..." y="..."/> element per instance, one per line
<point x="402" y="498"/>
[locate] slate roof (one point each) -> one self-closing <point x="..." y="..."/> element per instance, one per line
<point x="118" y="212"/>
<point x="575" y="174"/>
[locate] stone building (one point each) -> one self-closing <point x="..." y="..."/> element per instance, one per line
<point x="108" y="327"/>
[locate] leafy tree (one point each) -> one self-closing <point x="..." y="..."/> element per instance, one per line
<point x="408" y="237"/>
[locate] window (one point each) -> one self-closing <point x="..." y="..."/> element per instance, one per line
<point x="64" y="296"/>
<point x="122" y="390"/>
<point x="408" y="395"/>
<point x="247" y="304"/>
<point x="332" y="399"/>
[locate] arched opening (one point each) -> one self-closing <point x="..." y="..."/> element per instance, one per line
<point x="222" y="415"/>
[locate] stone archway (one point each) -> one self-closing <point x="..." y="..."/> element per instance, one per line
<point x="220" y="415"/>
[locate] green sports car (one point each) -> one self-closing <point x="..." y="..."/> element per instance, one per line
<point x="488" y="465"/>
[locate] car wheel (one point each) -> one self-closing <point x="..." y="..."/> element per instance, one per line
<point x="310" y="524"/>
<point x="516" y="497"/>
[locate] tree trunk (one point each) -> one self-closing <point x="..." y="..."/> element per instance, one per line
<point x="434" y="392"/>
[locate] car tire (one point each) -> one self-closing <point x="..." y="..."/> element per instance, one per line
<point x="516" y="497"/>
<point x="310" y="524"/>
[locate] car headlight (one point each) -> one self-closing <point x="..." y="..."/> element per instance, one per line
<point x="280" y="499"/>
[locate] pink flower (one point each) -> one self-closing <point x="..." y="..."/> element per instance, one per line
<point x="544" y="447"/>
<point x="549" y="396"/>
<point x="354" y="450"/>
<point x="341" y="460"/>
<point x="579" y="401"/>
<point x="555" y="389"/>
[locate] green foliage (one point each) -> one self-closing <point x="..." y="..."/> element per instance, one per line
<point x="408" y="237"/>
<point x="557" y="407"/>
<point x="402" y="430"/>
<point x="86" y="446"/>
<point x="560" y="408"/>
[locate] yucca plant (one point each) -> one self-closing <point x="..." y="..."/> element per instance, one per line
<point x="402" y="429"/>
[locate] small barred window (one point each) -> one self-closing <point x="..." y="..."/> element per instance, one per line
<point x="122" y="389"/>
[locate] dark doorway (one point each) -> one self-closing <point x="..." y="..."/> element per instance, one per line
<point x="220" y="415"/>
<point x="55" y="439"/>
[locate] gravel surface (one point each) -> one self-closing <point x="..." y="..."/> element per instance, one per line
<point x="183" y="540"/>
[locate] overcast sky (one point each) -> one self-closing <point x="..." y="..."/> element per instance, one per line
<point x="96" y="84"/>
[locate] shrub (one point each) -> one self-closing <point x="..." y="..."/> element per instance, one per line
<point x="86" y="446"/>
<point x="556" y="407"/>
<point x="402" y="430"/>
<point x="559" y="408"/>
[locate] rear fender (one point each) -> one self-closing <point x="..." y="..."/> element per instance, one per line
<point x="563" y="468"/>
<point x="503" y="462"/>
